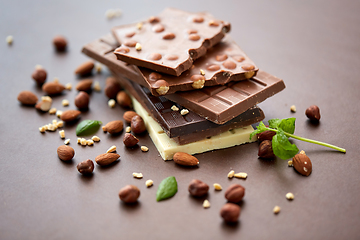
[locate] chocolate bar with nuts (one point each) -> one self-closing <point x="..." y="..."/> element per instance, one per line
<point x="186" y="128"/>
<point x="170" y="42"/>
<point x="218" y="104"/>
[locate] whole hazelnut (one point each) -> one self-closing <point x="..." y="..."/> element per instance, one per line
<point x="60" y="43"/>
<point x="313" y="113"/>
<point x="111" y="90"/>
<point x="137" y="125"/>
<point x="130" y="140"/>
<point x="85" y="167"/>
<point x="129" y="194"/>
<point x="235" y="193"/>
<point x="198" y="188"/>
<point x="266" y="135"/>
<point x="39" y="75"/>
<point x="265" y="150"/>
<point x="230" y="212"/>
<point x="123" y="99"/>
<point x="82" y="100"/>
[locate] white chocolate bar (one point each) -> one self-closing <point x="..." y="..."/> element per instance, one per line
<point x="168" y="147"/>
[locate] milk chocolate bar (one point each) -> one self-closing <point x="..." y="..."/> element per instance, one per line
<point x="218" y="104"/>
<point x="187" y="128"/>
<point x="167" y="147"/>
<point x="170" y="42"/>
<point x="223" y="63"/>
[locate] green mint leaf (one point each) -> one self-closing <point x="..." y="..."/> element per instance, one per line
<point x="259" y="129"/>
<point x="87" y="127"/>
<point x="282" y="147"/>
<point x="274" y="123"/>
<point x="288" y="125"/>
<point x="166" y="189"/>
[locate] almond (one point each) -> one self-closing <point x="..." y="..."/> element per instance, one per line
<point x="185" y="159"/>
<point x="85" y="68"/>
<point x="70" y="115"/>
<point x="302" y="164"/>
<point x="84" y="85"/>
<point x="130" y="140"/>
<point x="27" y="98"/>
<point x="123" y="99"/>
<point x="128" y="115"/>
<point x="106" y="158"/>
<point x="65" y="153"/>
<point x="113" y="127"/>
<point x="235" y="193"/>
<point x="53" y="88"/>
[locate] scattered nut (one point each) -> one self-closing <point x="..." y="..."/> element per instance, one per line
<point x="9" y="39"/>
<point x="65" y="102"/>
<point x="231" y="174"/>
<point x="42" y="129"/>
<point x="217" y="187"/>
<point x="235" y="193"/>
<point x="202" y="72"/>
<point x="98" y="67"/>
<point x="56" y="80"/>
<point x="111" y="149"/>
<point x="144" y="148"/>
<point x="137" y="175"/>
<point x="241" y="175"/>
<point x="60" y="43"/>
<point x="290" y="163"/>
<point x="67" y="141"/>
<point x="184" y="111"/>
<point x="149" y="183"/>
<point x="265" y="150"/>
<point x="68" y="86"/>
<point x="70" y="115"/>
<point x="111" y="103"/>
<point x="137" y="125"/>
<point x="39" y="75"/>
<point x="130" y="140"/>
<point x="128" y="129"/>
<point x="58" y="113"/>
<point x="53" y="88"/>
<point x="112" y="87"/>
<point x="185" y="159"/>
<point x="123" y="99"/>
<point x="198" y="188"/>
<point x="97" y="86"/>
<point x="174" y="108"/>
<point x="139" y="25"/>
<point x="128" y="115"/>
<point x="276" y="209"/>
<point x="62" y="134"/>
<point x="206" y="203"/>
<point x="230" y="212"/>
<point x="302" y="164"/>
<point x="52" y="111"/>
<point x="65" y="153"/>
<point x="27" y="98"/>
<point x="293" y="108"/>
<point x="289" y="196"/>
<point x="95" y="139"/>
<point x="313" y="113"/>
<point x="266" y="135"/>
<point x="113" y="127"/>
<point x="79" y="140"/>
<point x="89" y="142"/>
<point x="138" y="47"/>
<point x="85" y="167"/>
<point x="129" y="194"/>
<point x="83" y="142"/>
<point x="85" y="68"/>
<point x="84" y="85"/>
<point x="45" y="104"/>
<point x="106" y="158"/>
<point x="82" y="100"/>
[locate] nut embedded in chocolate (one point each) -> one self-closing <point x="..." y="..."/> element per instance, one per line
<point x="265" y="150"/>
<point x="230" y="212"/>
<point x="129" y="194"/>
<point x="60" y="43"/>
<point x="198" y="188"/>
<point x="235" y="193"/>
<point x="85" y="167"/>
<point x="313" y="113"/>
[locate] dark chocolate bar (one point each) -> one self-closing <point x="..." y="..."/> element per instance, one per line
<point x="170" y="42"/>
<point x="223" y="63"/>
<point x="218" y="104"/>
<point x="187" y="128"/>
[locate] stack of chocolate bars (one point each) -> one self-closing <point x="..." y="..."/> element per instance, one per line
<point x="194" y="87"/>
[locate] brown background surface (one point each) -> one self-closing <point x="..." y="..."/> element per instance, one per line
<point x="313" y="45"/>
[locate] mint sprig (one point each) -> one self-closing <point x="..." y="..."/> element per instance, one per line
<point x="284" y="129"/>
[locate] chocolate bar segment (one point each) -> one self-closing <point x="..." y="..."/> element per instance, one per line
<point x="223" y="63"/>
<point x="220" y="104"/>
<point x="170" y="42"/>
<point x="190" y="127"/>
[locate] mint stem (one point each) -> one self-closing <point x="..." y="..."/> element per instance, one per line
<point x="312" y="141"/>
